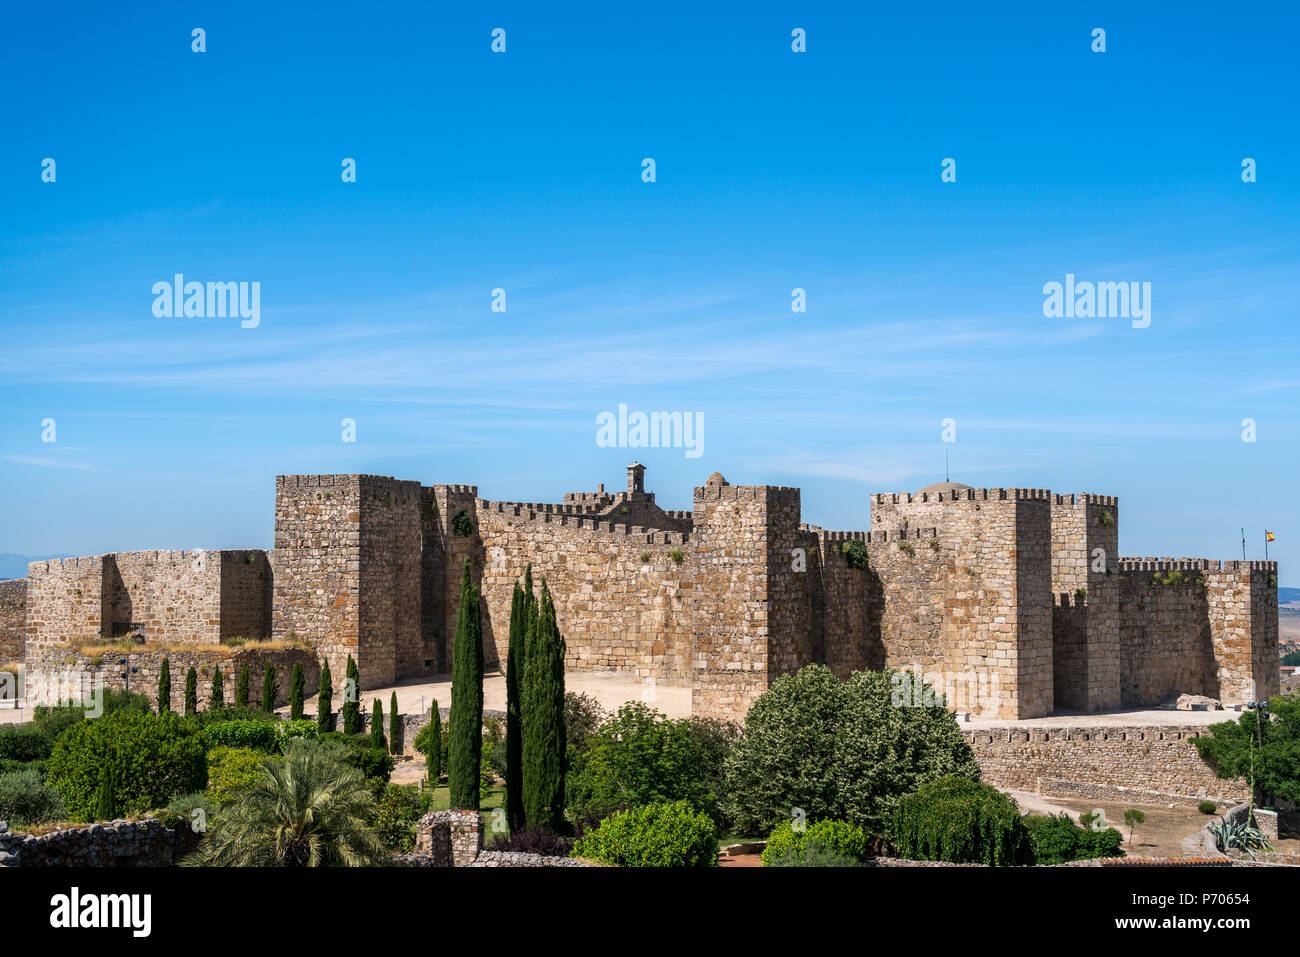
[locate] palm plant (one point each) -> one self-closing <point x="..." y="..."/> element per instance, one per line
<point x="310" y="810"/>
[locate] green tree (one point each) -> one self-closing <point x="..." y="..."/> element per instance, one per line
<point x="377" y="727"/>
<point x="465" y="726"/>
<point x="310" y="810"/>
<point x="241" y="688"/>
<point x="352" y="699"/>
<point x="394" y="727"/>
<point x="642" y="757"/>
<point x="542" y="718"/>
<point x="840" y="749"/>
<point x="428" y="741"/>
<point x="962" y="821"/>
<point x="1132" y="818"/>
<point x="218" y="698"/>
<point x="165" y="686"/>
<point x="325" y="700"/>
<point x="192" y="691"/>
<point x="1263" y="746"/>
<point x="106" y="807"/>
<point x="270" y="688"/>
<point x="295" y="692"/>
<point x="514" y="731"/>
<point x="154" y="757"/>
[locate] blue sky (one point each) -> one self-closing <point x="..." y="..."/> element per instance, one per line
<point x="522" y="171"/>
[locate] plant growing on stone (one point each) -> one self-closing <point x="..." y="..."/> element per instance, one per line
<point x="192" y="691"/>
<point x="270" y="688"/>
<point x="907" y="548"/>
<point x="1107" y="519"/>
<point x="465" y="745"/>
<point x="462" y="525"/>
<point x="241" y="688"/>
<point x="855" y="553"/>
<point x="165" y="686"/>
<point x="676" y="555"/>
<point x="325" y="700"/>
<point x="296" y="684"/>
<point x="352" y="699"/>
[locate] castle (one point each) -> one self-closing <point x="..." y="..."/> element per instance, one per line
<point x="1013" y="602"/>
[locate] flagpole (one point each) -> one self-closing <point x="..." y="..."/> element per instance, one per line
<point x="1266" y="544"/>
<point x="1243" y="544"/>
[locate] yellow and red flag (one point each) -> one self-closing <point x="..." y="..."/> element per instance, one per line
<point x="1268" y="536"/>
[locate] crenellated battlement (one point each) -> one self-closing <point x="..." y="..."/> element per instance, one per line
<point x="962" y="495"/>
<point x="1167" y="564"/>
<point x="1087" y="498"/>
<point x="883" y="536"/>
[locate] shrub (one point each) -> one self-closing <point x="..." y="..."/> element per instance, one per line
<point x="1057" y="839"/>
<point x="838" y="749"/>
<point x="641" y="757"/>
<point x="812" y="854"/>
<point x="676" y="555"/>
<point x="218" y="697"/>
<point x="377" y="739"/>
<point x="165" y="686"/>
<point x="356" y="751"/>
<point x="26" y="799"/>
<point x="243" y="733"/>
<point x="232" y="769"/>
<point x="961" y="821"/>
<point x="1237" y="836"/>
<point x="785" y="845"/>
<point x="241" y="688"/>
<point x="21" y="743"/>
<point x="193" y="810"/>
<point x="395" y="743"/>
<point x="397" y="812"/>
<point x="1207" y="807"/>
<point x="536" y="840"/>
<point x="656" y="835"/>
<point x="153" y="758"/>
<point x="286" y="730"/>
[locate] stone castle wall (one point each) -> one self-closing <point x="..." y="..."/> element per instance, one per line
<point x="1214" y="633"/>
<point x="13" y="620"/>
<point x="623" y="602"/>
<point x="1086" y="657"/>
<point x="1143" y="765"/>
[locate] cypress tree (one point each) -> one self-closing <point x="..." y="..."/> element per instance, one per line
<point x="165" y="686"/>
<point x="351" y="699"/>
<point x="377" y="726"/>
<point x="295" y="692"/>
<point x="218" y="698"/>
<point x="325" y="700"/>
<point x="433" y="760"/>
<point x="106" y="798"/>
<point x="270" y="688"/>
<point x="542" y="699"/>
<point x="394" y="726"/>
<point x="514" y="732"/>
<point x="192" y="691"/>
<point x="465" y="727"/>
<point x="241" y="688"/>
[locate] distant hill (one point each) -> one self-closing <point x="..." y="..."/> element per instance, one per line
<point x="1285" y="595"/>
<point x="15" y="566"/>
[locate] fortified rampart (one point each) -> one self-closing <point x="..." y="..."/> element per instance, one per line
<point x="1141" y="765"/>
<point x="13" y="620"/>
<point x="1011" y="601"/>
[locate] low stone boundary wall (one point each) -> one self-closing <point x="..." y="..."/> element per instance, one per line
<point x="455" y="839"/>
<point x="1152" y="765"/>
<point x="145" y="843"/>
